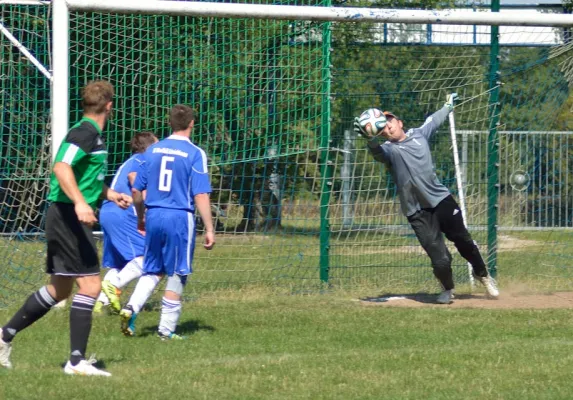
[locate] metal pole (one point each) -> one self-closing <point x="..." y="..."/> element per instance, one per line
<point x="346" y="177"/>
<point x="493" y="147"/>
<point x="60" y="74"/>
<point x="24" y="51"/>
<point x="460" y="183"/>
<point x="314" y="13"/>
<point x="325" y="162"/>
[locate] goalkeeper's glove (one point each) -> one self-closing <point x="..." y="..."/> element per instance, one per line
<point x="451" y="100"/>
<point x="359" y="130"/>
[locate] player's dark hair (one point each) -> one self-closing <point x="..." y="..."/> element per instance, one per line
<point x="95" y="96"/>
<point x="141" y="141"/>
<point x="180" y="117"/>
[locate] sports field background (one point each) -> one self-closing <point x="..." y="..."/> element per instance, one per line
<point x="257" y="345"/>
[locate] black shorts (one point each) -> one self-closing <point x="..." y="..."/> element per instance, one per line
<point x="71" y="246"/>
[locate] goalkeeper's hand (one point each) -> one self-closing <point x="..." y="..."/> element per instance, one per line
<point x="359" y="130"/>
<point x="451" y="101"/>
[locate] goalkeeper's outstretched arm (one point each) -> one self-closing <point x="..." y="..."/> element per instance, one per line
<point x="373" y="143"/>
<point x="378" y="151"/>
<point x="434" y="121"/>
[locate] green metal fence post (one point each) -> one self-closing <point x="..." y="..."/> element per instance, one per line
<point x="493" y="147"/>
<point x="325" y="163"/>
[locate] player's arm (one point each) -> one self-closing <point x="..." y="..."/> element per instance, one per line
<point x="138" y="186"/>
<point x="139" y="205"/>
<point x="378" y="151"/>
<point x="203" y="205"/>
<point x="201" y="188"/>
<point x="131" y="178"/>
<point x="121" y="199"/>
<point x="75" y="148"/>
<point x="67" y="180"/>
<point x="434" y="121"/>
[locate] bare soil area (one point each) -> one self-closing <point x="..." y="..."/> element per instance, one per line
<point x="506" y="300"/>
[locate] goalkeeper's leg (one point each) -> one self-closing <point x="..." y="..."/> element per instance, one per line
<point x="427" y="229"/>
<point x="452" y="224"/>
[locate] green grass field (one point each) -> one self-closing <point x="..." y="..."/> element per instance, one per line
<point x="390" y="261"/>
<point x="262" y="345"/>
<point x="261" y="326"/>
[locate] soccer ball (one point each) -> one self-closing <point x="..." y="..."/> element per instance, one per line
<point x="372" y="121"/>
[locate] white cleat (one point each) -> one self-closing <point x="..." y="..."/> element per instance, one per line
<point x="490" y="285"/>
<point x="5" y="349"/>
<point x="445" y="297"/>
<point x="84" y="368"/>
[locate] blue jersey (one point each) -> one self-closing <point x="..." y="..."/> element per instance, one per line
<point x="173" y="171"/>
<point x="120" y="182"/>
<point x="121" y="240"/>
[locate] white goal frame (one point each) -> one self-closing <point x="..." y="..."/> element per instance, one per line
<point x="62" y="8"/>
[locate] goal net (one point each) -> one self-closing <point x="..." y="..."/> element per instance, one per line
<point x="297" y="200"/>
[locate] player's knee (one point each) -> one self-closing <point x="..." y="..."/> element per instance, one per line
<point x="441" y="267"/>
<point x="90" y="286"/>
<point x="174" y="286"/>
<point x="93" y="290"/>
<point x="439" y="255"/>
<point x="60" y="293"/>
<point x="442" y="262"/>
<point x="460" y="238"/>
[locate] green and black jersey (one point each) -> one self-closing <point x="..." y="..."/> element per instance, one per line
<point x="84" y="150"/>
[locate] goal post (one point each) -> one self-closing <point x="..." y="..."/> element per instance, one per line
<point x="313" y="13"/>
<point x="459" y="179"/>
<point x="297" y="198"/>
<point x="258" y="11"/>
<point x="60" y="74"/>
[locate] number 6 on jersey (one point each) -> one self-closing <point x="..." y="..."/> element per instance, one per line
<point x="165" y="174"/>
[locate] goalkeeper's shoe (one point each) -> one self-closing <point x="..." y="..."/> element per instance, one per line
<point x="5" y="349"/>
<point x="170" y="336"/>
<point x="127" y="317"/>
<point x="490" y="285"/>
<point x="445" y="297"/>
<point x="85" y="368"/>
<point x="111" y="292"/>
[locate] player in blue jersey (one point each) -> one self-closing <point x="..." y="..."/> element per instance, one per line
<point x="174" y="173"/>
<point x="123" y="244"/>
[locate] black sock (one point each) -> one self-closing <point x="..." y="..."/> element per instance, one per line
<point x="80" y="326"/>
<point x="37" y="305"/>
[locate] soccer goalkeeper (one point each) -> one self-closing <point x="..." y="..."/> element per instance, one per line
<point x="427" y="203"/>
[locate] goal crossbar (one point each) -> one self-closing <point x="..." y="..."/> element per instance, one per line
<point x="62" y="9"/>
<point x="316" y="13"/>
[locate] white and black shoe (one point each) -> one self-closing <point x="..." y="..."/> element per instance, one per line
<point x="490" y="285"/>
<point x="85" y="368"/>
<point x="5" y="349"/>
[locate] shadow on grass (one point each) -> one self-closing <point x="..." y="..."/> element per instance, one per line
<point x="185" y="328"/>
<point x="424" y="298"/>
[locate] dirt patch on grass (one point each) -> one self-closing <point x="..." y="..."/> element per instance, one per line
<point x="512" y="243"/>
<point x="506" y="300"/>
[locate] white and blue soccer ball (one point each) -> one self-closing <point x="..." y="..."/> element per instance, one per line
<point x="372" y="121"/>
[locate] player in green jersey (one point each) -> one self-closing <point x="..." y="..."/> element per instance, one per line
<point x="76" y="186"/>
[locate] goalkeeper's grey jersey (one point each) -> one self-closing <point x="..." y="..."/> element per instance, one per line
<point x="411" y="165"/>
